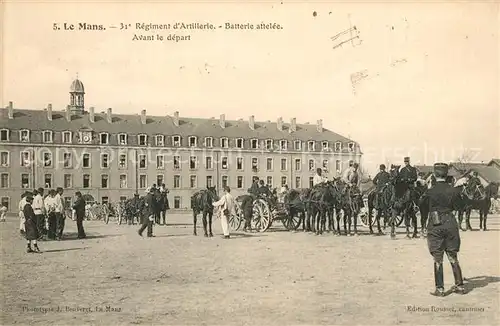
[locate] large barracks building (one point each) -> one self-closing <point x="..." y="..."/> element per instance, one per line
<point x="112" y="156"/>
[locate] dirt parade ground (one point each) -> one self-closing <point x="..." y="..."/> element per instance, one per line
<point x="273" y="278"/>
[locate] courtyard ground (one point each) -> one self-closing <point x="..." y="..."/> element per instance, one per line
<point x="272" y="278"/>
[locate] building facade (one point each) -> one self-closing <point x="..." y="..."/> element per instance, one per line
<point x="113" y="156"/>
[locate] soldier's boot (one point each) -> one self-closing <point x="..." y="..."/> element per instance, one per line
<point x="438" y="280"/>
<point x="28" y="248"/>
<point x="459" y="281"/>
<point x="36" y="249"/>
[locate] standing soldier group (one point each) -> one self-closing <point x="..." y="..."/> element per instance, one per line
<point x="154" y="210"/>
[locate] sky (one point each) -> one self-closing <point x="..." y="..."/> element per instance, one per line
<point x="431" y="70"/>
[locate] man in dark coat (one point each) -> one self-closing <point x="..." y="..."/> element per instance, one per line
<point x="264" y="190"/>
<point x="148" y="213"/>
<point x="380" y="181"/>
<point x="442" y="230"/>
<point x="254" y="189"/>
<point x="30" y="225"/>
<point x="79" y="207"/>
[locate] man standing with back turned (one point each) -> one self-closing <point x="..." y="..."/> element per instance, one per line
<point x="442" y="230"/>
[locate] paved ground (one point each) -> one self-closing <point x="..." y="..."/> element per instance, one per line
<point x="274" y="278"/>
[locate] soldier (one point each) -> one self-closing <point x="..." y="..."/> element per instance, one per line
<point x="226" y="208"/>
<point x="264" y="190"/>
<point x="408" y="173"/>
<point x="38" y="208"/>
<point x="318" y="177"/>
<point x="254" y="189"/>
<point x="442" y="230"/>
<point x="50" y="209"/>
<point x="22" y="202"/>
<point x="149" y="213"/>
<point x="30" y="225"/>
<point x="59" y="211"/>
<point x="79" y="207"/>
<point x="380" y="181"/>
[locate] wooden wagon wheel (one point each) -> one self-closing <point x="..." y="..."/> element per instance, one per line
<point x="235" y="220"/>
<point x="261" y="219"/>
<point x="364" y="214"/>
<point x="291" y="223"/>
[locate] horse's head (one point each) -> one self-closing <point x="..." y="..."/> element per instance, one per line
<point x="212" y="194"/>
<point x="492" y="190"/>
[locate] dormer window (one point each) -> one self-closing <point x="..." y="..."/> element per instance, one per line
<point x="297" y="145"/>
<point x="324" y="145"/>
<point x="160" y="140"/>
<point x="310" y="145"/>
<point x="143" y="140"/>
<point x="224" y="142"/>
<point x="192" y="141"/>
<point x="338" y="146"/>
<point x="209" y="142"/>
<point x="67" y="137"/>
<point x="176" y="141"/>
<point x="122" y="139"/>
<point x="24" y="135"/>
<point x="47" y="136"/>
<point x="269" y="144"/>
<point x="254" y="143"/>
<point x="104" y="137"/>
<point x="4" y="135"/>
<point x="283" y="145"/>
<point x="239" y="142"/>
<point x="350" y="146"/>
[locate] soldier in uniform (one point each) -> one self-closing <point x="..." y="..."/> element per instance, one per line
<point x="254" y="189"/>
<point x="408" y="175"/>
<point x="264" y="190"/>
<point x="380" y="181"/>
<point x="442" y="230"/>
<point x="149" y="213"/>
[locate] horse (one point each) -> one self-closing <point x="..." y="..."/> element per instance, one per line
<point x="381" y="202"/>
<point x="131" y="209"/>
<point x="297" y="202"/>
<point x="202" y="202"/>
<point x="479" y="199"/>
<point x="423" y="206"/>
<point x="321" y="201"/>
<point x="246" y="206"/>
<point x="342" y="202"/>
<point x="403" y="202"/>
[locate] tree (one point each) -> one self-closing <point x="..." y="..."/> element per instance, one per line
<point x="463" y="159"/>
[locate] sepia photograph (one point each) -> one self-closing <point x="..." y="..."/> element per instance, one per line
<point x="250" y="162"/>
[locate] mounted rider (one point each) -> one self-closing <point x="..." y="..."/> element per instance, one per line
<point x="474" y="185"/>
<point x="408" y="175"/>
<point x="318" y="178"/>
<point x="254" y="189"/>
<point x="381" y="181"/>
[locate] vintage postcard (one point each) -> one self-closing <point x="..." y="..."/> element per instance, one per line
<point x="249" y="163"/>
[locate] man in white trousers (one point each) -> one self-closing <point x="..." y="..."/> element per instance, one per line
<point x="22" y="202"/>
<point x="226" y="207"/>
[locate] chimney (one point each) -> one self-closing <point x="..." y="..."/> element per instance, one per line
<point x="251" y="122"/>
<point x="222" y="121"/>
<point x="293" y="125"/>
<point x="110" y="116"/>
<point x="11" y="110"/>
<point x="320" y="125"/>
<point x="176" y="118"/>
<point x="280" y="124"/>
<point x="68" y="113"/>
<point x="49" y="112"/>
<point x="143" y="117"/>
<point x="91" y="114"/>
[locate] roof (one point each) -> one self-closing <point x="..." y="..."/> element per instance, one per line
<point x="488" y="173"/>
<point x="494" y="161"/>
<point x="464" y="167"/>
<point x="77" y="86"/>
<point x="427" y="169"/>
<point x="36" y="120"/>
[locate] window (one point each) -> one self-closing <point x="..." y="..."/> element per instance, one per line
<point x="338" y="166"/>
<point x="350" y="146"/>
<point x="25" y="158"/>
<point x="239" y="163"/>
<point x="269" y="181"/>
<point x="255" y="164"/>
<point x="311" y="165"/>
<point x="297" y="145"/>
<point x="283" y="145"/>
<point x="68" y="181"/>
<point x="104" y="161"/>
<point x="310" y="145"/>
<point x="86" y="160"/>
<point x="104" y="200"/>
<point x="4" y="135"/>
<point x="176" y="141"/>
<point x="143" y="181"/>
<point x="192" y="162"/>
<point x="324" y="146"/>
<point x="225" y="181"/>
<point x="123" y="181"/>
<point x="4" y="159"/>
<point x="47" y="180"/>
<point x="192" y="141"/>
<point x="47" y="136"/>
<point x="86" y="181"/>
<point x="123" y="198"/>
<point x="160" y="161"/>
<point x="122" y="139"/>
<point x="160" y="140"/>
<point x="25" y="180"/>
<point x="224" y="164"/>
<point x="177" y="202"/>
<point x="298" y="182"/>
<point x="67" y="137"/>
<point x="104" y="181"/>
<point x="122" y="161"/>
<point x="209" y="142"/>
<point x="325" y="164"/>
<point x="239" y="143"/>
<point x="177" y="162"/>
<point x="47" y="160"/>
<point x="143" y="140"/>
<point x="269" y="144"/>
<point x="4" y="180"/>
<point x="224" y="142"/>
<point x="283" y="181"/>
<point x="284" y="164"/>
<point x="177" y="181"/>
<point x="311" y="183"/>
<point x="209" y="162"/>
<point x="6" y="202"/>
<point x="142" y="161"/>
<point x="269" y="164"/>
<point x="104" y="138"/>
<point x="24" y="135"/>
<point x="254" y="143"/>
<point x="338" y="146"/>
<point x="67" y="161"/>
<point x="209" y="181"/>
<point x="159" y="180"/>
<point x="239" y="182"/>
<point x="192" y="181"/>
<point x="298" y="164"/>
